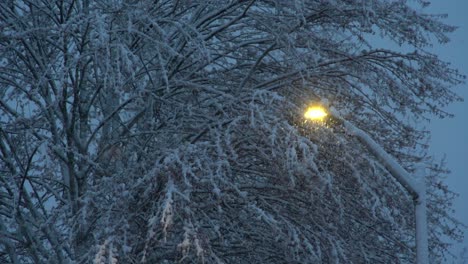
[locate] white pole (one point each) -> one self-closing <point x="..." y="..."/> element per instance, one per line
<point x="422" y="243"/>
<point x="416" y="187"/>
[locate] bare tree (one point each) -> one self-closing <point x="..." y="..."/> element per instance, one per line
<point x="172" y="131"/>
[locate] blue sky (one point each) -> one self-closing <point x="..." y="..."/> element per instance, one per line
<point x="450" y="136"/>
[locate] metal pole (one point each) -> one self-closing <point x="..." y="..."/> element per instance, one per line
<point x="417" y="188"/>
<point x="422" y="240"/>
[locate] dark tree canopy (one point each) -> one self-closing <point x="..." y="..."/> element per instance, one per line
<point x="172" y="131"/>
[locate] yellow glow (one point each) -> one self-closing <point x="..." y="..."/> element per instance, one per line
<point x="316" y="113"/>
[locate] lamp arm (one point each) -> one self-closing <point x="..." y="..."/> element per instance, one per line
<point x="416" y="187"/>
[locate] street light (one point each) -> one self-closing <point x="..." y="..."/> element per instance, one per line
<point x="417" y="189"/>
<point x="315" y="113"/>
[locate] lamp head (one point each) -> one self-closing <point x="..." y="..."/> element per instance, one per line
<point x="315" y="113"/>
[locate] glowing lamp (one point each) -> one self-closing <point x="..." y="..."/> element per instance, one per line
<point x="316" y="113"/>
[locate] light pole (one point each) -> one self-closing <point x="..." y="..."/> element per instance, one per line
<point x="416" y="187"/>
